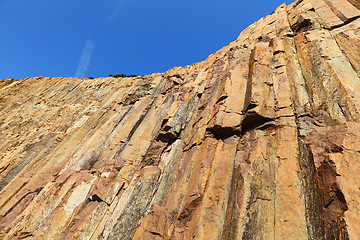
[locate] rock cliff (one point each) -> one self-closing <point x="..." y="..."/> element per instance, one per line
<point x="259" y="141"/>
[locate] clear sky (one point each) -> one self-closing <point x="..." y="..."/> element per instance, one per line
<point x="95" y="38"/>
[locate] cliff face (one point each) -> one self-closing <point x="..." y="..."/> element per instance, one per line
<point x="259" y="141"/>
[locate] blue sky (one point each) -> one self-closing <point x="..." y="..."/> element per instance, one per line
<point x="95" y="38"/>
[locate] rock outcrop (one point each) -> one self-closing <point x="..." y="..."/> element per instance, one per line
<point x="259" y="141"/>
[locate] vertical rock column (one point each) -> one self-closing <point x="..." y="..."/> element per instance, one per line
<point x="290" y="221"/>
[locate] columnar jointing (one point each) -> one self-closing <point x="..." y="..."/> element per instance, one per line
<point x="259" y="141"/>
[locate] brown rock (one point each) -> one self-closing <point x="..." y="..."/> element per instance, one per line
<point x="259" y="141"/>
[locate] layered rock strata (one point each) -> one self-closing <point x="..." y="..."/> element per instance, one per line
<point x="259" y="141"/>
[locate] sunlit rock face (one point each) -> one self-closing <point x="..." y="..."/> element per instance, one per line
<point x="259" y="141"/>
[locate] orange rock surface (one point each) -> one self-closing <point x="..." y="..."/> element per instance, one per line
<point x="259" y="141"/>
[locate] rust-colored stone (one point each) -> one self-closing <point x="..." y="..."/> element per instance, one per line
<point x="259" y="141"/>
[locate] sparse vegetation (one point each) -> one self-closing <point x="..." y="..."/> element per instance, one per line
<point x="122" y="75"/>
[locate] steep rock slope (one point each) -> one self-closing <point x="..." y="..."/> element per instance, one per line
<point x="259" y="141"/>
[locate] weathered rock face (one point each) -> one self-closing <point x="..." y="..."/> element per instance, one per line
<point x="259" y="141"/>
